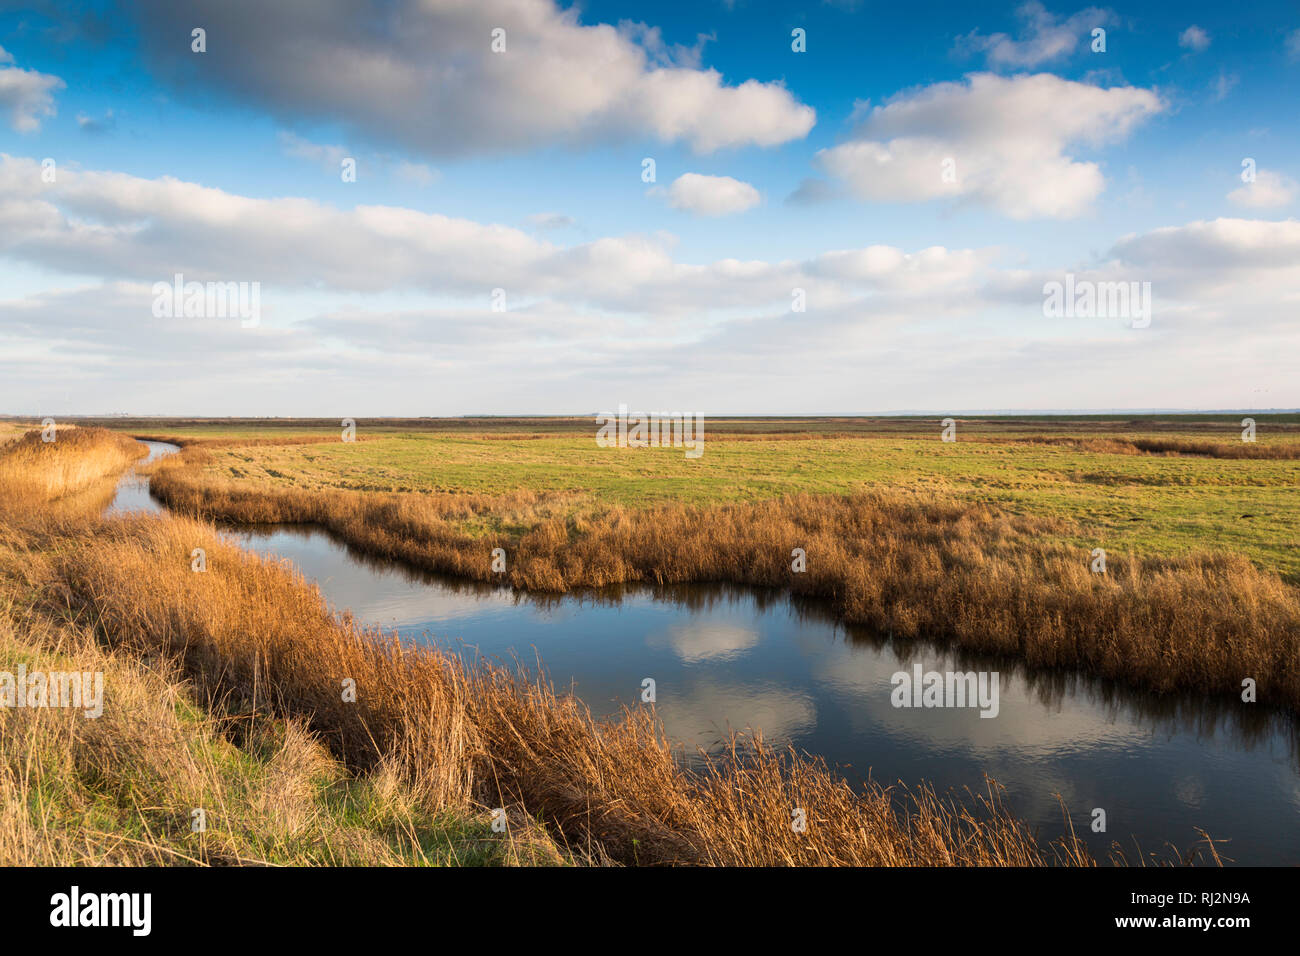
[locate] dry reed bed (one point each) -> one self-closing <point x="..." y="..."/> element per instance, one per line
<point x="1163" y="446"/>
<point x="34" y="472"/>
<point x="188" y="441"/>
<point x="119" y="790"/>
<point x="911" y="565"/>
<point x="251" y="634"/>
<point x="252" y="640"/>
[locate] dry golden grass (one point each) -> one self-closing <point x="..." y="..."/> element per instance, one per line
<point x="1165" y="446"/>
<point x="120" y="788"/>
<point x="252" y="638"/>
<point x="227" y="692"/>
<point x="34" y="472"/>
<point x="909" y="564"/>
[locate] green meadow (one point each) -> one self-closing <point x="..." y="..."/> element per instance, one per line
<point x="1139" y="502"/>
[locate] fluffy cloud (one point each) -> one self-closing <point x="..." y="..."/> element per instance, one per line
<point x="125" y="227"/>
<point x="424" y="75"/>
<point x="1269" y="190"/>
<point x="711" y="195"/>
<point x="26" y="95"/>
<point x="1202" y="273"/>
<point x="1217" y="249"/>
<point x="1042" y="37"/>
<point x="701" y="711"/>
<point x="385" y="310"/>
<point x="128" y="229"/>
<point x="1194" y="39"/>
<point x="1005" y="138"/>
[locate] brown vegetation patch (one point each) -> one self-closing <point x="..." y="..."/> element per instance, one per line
<point x="909" y="564"/>
<point x="1163" y="446"/>
<point x="251" y="636"/>
<point x="34" y="472"/>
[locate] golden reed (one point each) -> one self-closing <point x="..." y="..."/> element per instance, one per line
<point x="908" y="564"/>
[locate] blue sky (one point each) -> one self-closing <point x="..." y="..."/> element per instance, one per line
<point x="522" y="169"/>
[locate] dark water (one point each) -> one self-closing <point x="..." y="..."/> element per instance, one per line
<point x="724" y="657"/>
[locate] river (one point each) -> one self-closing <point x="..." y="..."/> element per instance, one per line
<point x="726" y="657"/>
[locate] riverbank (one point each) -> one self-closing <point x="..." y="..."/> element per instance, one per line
<point x="159" y="774"/>
<point x="910" y="562"/>
<point x="371" y="746"/>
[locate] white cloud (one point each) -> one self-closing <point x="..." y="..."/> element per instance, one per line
<point x="385" y="310"/>
<point x="1194" y="39"/>
<point x="1006" y="138"/>
<point x="1203" y="274"/>
<point x="703" y="712"/>
<point x="1217" y="247"/>
<point x="1043" y="37"/>
<point x="125" y="227"/>
<point x="1223" y="85"/>
<point x="711" y="195"/>
<point x="1269" y="190"/>
<point x="424" y="76"/>
<point x="26" y="95"/>
<point x="707" y="642"/>
<point x="1233" y="282"/>
<point x="938" y="328"/>
<point x="1293" y="44"/>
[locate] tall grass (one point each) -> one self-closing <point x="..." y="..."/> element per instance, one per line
<point x="121" y="789"/>
<point x="1280" y="451"/>
<point x="226" y="691"/>
<point x="252" y="637"/>
<point x="1208" y="449"/>
<point x="34" y="472"/>
<point x="910" y="564"/>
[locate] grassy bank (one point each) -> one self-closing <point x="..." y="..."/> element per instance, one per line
<point x="122" y="788"/>
<point x="1187" y="494"/>
<point x="915" y="562"/>
<point x="250" y="635"/>
<point x="224" y="691"/>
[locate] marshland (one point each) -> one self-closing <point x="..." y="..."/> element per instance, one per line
<point x="499" y="712"/>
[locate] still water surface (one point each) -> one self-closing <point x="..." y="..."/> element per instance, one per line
<point x="725" y="657"/>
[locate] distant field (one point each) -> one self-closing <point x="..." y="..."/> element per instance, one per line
<point x="1146" y="503"/>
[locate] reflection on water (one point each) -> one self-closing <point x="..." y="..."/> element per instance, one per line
<point x="133" y="491"/>
<point x="725" y="657"/>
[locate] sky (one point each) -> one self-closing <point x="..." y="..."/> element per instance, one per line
<point x="451" y="207"/>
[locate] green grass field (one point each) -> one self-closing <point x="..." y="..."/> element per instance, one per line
<point x="1142" y="503"/>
